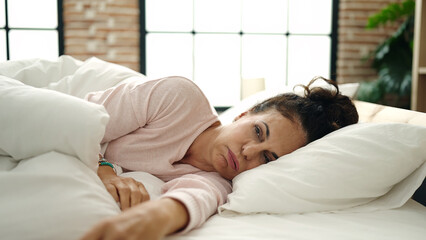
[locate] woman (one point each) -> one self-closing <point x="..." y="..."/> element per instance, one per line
<point x="166" y="127"/>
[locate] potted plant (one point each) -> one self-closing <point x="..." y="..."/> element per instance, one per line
<point x="392" y="58"/>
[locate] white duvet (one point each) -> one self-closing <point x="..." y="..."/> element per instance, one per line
<point x="48" y="158"/>
<point x="49" y="145"/>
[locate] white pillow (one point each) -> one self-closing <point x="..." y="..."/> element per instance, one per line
<point x="35" y="121"/>
<point x="362" y="167"/>
<point x="349" y="89"/>
<point x="229" y="115"/>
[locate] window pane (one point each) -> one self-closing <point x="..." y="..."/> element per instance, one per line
<point x="3" y="54"/>
<point x="217" y="67"/>
<point x="33" y="44"/>
<point x="310" y="16"/>
<point x="308" y="56"/>
<point x="169" y="54"/>
<point x="267" y="16"/>
<point x="264" y="56"/>
<point x="2" y="15"/>
<point x="217" y="15"/>
<point x="220" y="58"/>
<point x="169" y="15"/>
<point x="33" y="14"/>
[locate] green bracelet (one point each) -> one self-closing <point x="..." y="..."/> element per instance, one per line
<point x="103" y="163"/>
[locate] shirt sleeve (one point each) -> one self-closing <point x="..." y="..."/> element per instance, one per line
<point x="118" y="103"/>
<point x="200" y="193"/>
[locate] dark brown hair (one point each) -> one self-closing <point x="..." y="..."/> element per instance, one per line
<point x="320" y="111"/>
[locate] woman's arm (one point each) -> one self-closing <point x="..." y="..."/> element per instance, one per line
<point x="149" y="220"/>
<point x="201" y="193"/>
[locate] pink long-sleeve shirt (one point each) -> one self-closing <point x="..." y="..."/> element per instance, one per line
<point x="152" y="125"/>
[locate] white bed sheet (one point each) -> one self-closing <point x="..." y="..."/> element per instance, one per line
<point x="407" y="222"/>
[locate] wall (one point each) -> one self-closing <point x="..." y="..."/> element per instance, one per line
<point x="355" y="42"/>
<point x="107" y="29"/>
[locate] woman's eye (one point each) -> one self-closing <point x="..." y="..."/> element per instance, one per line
<point x="258" y="132"/>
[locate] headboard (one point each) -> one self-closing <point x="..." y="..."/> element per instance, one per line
<point x="370" y="112"/>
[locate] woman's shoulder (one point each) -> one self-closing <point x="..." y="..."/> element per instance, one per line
<point x="173" y="92"/>
<point x="179" y="84"/>
<point x="177" y="88"/>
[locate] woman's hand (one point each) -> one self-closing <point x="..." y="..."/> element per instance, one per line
<point x="125" y="191"/>
<point x="149" y="220"/>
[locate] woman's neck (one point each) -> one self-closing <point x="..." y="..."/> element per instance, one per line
<point x="198" y="154"/>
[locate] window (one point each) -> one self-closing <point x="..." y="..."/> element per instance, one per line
<point x="30" y="29"/>
<point x="217" y="43"/>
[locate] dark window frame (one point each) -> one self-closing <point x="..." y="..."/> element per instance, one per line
<point x="333" y="36"/>
<point x="59" y="28"/>
<point x="333" y="41"/>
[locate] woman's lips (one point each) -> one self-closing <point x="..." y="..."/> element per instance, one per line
<point x="232" y="160"/>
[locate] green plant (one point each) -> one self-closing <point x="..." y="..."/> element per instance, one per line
<point x="392" y="59"/>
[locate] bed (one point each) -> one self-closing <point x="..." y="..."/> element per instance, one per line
<point x="355" y="184"/>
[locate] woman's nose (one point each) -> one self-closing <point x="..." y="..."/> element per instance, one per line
<point x="250" y="151"/>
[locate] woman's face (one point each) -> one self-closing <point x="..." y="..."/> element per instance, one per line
<point x="255" y="139"/>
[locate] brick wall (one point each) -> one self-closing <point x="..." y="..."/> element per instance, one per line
<point x="107" y="29"/>
<point x="355" y="42"/>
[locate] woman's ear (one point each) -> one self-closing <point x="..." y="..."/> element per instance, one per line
<point x="240" y="116"/>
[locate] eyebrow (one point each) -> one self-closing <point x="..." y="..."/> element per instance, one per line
<point x="267" y="136"/>
<point x="267" y="129"/>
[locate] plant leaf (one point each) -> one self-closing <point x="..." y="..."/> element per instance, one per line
<point x="391" y="13"/>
